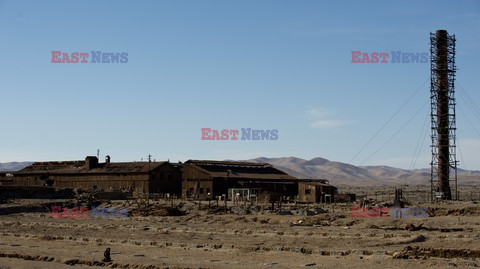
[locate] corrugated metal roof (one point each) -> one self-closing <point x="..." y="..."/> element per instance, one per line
<point x="228" y="163"/>
<point x="316" y="183"/>
<point x="232" y="169"/>
<point x="78" y="167"/>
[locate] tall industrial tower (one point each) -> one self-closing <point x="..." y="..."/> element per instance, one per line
<point x="443" y="122"/>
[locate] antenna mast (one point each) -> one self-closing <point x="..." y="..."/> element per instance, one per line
<point x="442" y="114"/>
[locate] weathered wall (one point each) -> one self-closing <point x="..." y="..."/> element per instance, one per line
<point x="303" y="196"/>
<point x="196" y="183"/>
<point x="315" y="194"/>
<point x="138" y="182"/>
<point x="191" y="173"/>
<point x="166" y="179"/>
<point x="127" y="182"/>
<point x="198" y="189"/>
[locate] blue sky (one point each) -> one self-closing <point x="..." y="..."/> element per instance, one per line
<point x="228" y="65"/>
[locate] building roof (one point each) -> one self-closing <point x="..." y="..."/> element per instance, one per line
<point x="232" y="169"/>
<point x="79" y="167"/>
<point x="317" y="182"/>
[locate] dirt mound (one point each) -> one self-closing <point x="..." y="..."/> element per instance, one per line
<point x="16" y="209"/>
<point x="319" y="220"/>
<point x="157" y="210"/>
<point x="466" y="211"/>
<point x="416" y="252"/>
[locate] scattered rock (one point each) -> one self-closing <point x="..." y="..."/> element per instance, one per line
<point x="412" y="227"/>
<point x="398" y="255"/>
<point x="285" y="212"/>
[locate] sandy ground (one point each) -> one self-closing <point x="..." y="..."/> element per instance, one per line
<point x="202" y="239"/>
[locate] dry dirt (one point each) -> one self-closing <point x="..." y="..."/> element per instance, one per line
<point x="202" y="239"/>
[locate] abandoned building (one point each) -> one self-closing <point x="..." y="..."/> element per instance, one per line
<point x="147" y="177"/>
<point x="316" y="191"/>
<point x="195" y="179"/>
<point x="228" y="179"/>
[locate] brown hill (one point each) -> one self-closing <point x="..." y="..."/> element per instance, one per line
<point x="342" y="173"/>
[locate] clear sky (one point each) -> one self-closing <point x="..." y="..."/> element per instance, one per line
<point x="282" y="65"/>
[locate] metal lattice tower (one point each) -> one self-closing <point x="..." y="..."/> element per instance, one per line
<point x="443" y="121"/>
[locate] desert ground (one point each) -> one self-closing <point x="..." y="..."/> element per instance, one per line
<point x="189" y="235"/>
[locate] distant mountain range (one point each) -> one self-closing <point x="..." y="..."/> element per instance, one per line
<point x="336" y="172"/>
<point x="342" y="173"/>
<point x="13" y="166"/>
